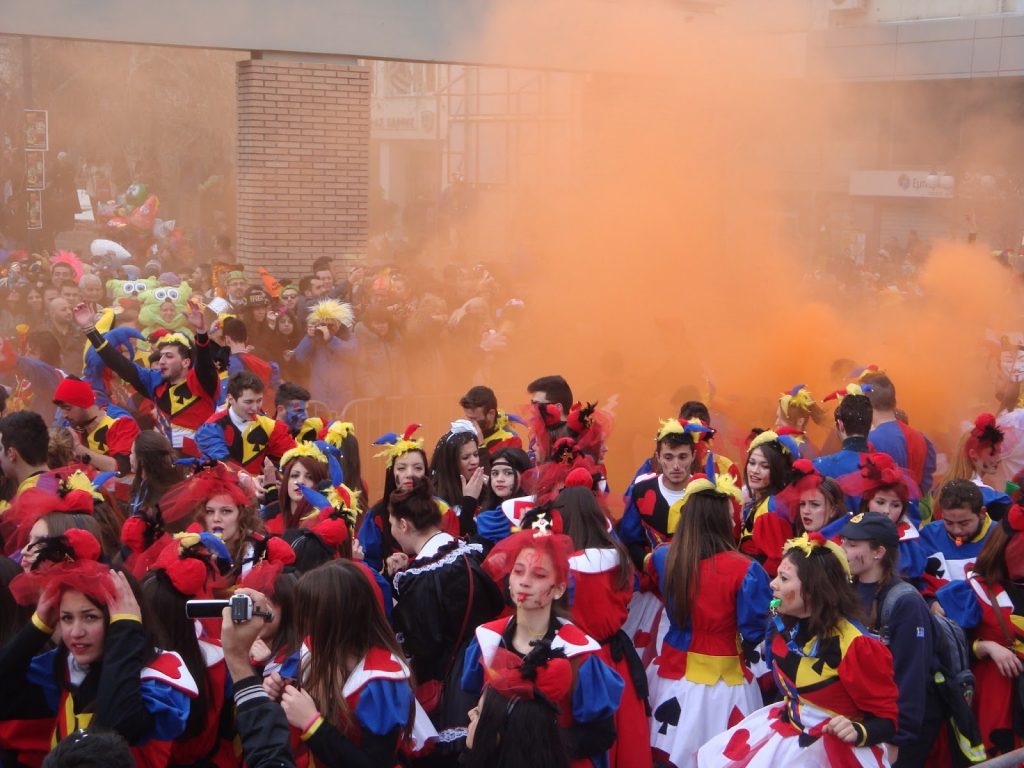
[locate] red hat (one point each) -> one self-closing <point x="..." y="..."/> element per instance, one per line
<point x="74" y="392"/>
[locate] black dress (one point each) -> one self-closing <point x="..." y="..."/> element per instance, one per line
<point x="441" y="598"/>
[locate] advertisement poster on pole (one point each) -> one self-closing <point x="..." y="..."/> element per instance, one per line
<point x="35" y="209"/>
<point x="36" y="132"/>
<point x="35" y="170"/>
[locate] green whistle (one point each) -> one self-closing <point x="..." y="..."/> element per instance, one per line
<point x="775" y="603"/>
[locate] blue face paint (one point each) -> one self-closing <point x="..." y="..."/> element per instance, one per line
<point x="294" y="417"/>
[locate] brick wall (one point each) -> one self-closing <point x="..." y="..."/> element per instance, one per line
<point x="303" y="164"/>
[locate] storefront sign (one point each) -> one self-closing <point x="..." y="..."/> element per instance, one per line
<point x="901" y="184"/>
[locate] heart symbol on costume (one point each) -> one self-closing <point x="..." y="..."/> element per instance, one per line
<point x="738" y="746"/>
<point x="573" y="635"/>
<point x="381" y="660"/>
<point x="646" y="504"/>
<point x="168" y="665"/>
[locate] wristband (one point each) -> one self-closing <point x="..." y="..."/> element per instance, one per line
<point x="974" y="648"/>
<point x="125" y="617"/>
<point x="862" y="733"/>
<point x="312" y="727"/>
<point x="39" y="624"/>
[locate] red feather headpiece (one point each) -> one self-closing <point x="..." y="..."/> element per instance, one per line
<point x="80" y="570"/>
<point x="184" y="498"/>
<point x="277" y="553"/>
<point x="499" y="563"/>
<point x="188" y="565"/>
<point x="804" y="478"/>
<point x="984" y="433"/>
<point x="34" y="503"/>
<point x="878" y="471"/>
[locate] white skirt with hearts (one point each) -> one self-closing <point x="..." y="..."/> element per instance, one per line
<point x="642" y="621"/>
<point x="755" y="743"/>
<point x="699" y="712"/>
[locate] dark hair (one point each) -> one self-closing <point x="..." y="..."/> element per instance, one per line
<point x="586" y="524"/>
<point x="46" y="347"/>
<point x="322" y="262"/>
<point x="883" y="391"/>
<point x="779" y="465"/>
<point x="513" y="457"/>
<point x="676" y="440"/>
<point x="305" y="283"/>
<point x="183" y="349"/>
<point x="174" y="631"/>
<point x="416" y="505"/>
<point x="338" y="607"/>
<point x="556" y="388"/>
<point x="289" y="391"/>
<point x="352" y="467"/>
<point x="834" y="498"/>
<point x="243" y="380"/>
<point x="390" y="484"/>
<point x="288" y="638"/>
<point x="855" y="413"/>
<point x="89" y="749"/>
<point x="890" y="575"/>
<point x="26" y="432"/>
<point x="695" y="409"/>
<point x="991" y="562"/>
<point x="445" y="465"/>
<point x="958" y="493"/>
<point x="704" y="530"/>
<point x="515" y="732"/>
<point x="318" y="472"/>
<point x="12" y="616"/>
<point x="827" y="591"/>
<point x="235" y="329"/>
<point x="480" y="397"/>
<point x="154" y="458"/>
<point x="312" y="551"/>
<point x="3" y="399"/>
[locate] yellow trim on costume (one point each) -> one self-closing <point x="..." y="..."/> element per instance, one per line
<point x="125" y="617"/>
<point x="862" y="737"/>
<point x="308" y="733"/>
<point x="41" y="625"/>
<point x="708" y="670"/>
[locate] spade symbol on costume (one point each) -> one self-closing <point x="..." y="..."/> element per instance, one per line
<point x="99" y="438"/>
<point x="667" y="714"/>
<point x="180" y="397"/>
<point x="829" y="653"/>
<point x="255" y="441"/>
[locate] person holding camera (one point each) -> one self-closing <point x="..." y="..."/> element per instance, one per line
<point x="329" y="349"/>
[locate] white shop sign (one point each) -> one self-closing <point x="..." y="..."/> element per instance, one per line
<point x="900" y="184"/>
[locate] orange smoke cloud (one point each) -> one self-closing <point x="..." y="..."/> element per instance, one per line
<point x="663" y="267"/>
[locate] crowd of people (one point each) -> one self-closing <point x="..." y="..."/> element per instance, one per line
<point x="196" y="572"/>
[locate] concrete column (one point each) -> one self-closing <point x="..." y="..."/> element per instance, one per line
<point x="302" y="163"/>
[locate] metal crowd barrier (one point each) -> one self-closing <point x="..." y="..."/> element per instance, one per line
<point x="1008" y="760"/>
